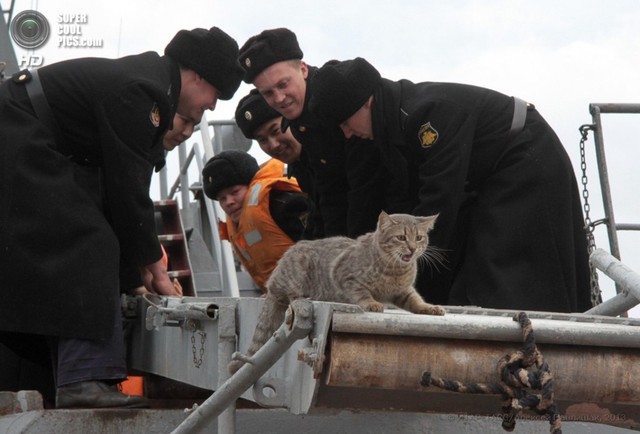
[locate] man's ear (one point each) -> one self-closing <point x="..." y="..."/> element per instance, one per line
<point x="369" y="102"/>
<point x="189" y="75"/>
<point x="197" y="77"/>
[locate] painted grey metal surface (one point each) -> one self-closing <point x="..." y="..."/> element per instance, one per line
<point x="261" y="421"/>
<point x="298" y="324"/>
<point x="185" y="351"/>
<point x="188" y="351"/>
<point x="298" y="381"/>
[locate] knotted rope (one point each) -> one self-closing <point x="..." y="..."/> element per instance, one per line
<point x="515" y="380"/>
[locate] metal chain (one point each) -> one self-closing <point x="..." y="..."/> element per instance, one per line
<point x="589" y="226"/>
<point x="203" y="337"/>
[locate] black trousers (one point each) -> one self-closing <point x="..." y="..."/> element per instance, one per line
<point x="73" y="360"/>
<point x="78" y="360"/>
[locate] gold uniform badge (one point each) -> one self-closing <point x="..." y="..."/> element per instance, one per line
<point x="427" y="135"/>
<point x="154" y="115"/>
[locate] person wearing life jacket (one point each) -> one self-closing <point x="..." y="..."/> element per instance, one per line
<point x="266" y="210"/>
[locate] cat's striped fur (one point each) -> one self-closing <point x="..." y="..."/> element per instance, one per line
<point x="376" y="268"/>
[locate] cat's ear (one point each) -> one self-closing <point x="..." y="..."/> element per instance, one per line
<point x="429" y="221"/>
<point x="384" y="220"/>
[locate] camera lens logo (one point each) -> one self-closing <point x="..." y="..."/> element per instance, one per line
<point x="30" y="29"/>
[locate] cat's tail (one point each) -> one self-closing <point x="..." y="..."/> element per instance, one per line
<point x="270" y="318"/>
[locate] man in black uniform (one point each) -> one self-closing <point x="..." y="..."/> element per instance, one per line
<point x="348" y="201"/>
<point x="78" y="144"/>
<point x="510" y="219"/>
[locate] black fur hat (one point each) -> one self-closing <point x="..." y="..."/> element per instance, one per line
<point x="265" y="49"/>
<point x="341" y="88"/>
<point x="227" y="169"/>
<point x="252" y="112"/>
<point x="212" y="54"/>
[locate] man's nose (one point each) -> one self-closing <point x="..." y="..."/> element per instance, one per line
<point x="279" y="95"/>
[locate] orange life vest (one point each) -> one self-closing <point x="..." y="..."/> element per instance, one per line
<point x="257" y="239"/>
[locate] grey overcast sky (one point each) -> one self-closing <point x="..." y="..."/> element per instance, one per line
<point x="559" y="55"/>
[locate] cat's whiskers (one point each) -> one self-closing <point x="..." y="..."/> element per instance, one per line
<point x="388" y="262"/>
<point x="434" y="258"/>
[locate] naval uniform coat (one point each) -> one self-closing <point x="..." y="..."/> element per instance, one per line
<point x="510" y="223"/>
<point x="74" y="203"/>
<point x="301" y="171"/>
<point x="348" y="174"/>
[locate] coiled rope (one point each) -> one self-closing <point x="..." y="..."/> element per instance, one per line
<point x="516" y="382"/>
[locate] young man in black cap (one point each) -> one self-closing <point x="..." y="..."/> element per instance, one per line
<point x="261" y="122"/>
<point x="510" y="220"/>
<point x="348" y="201"/>
<point x="78" y="146"/>
<point x="266" y="211"/>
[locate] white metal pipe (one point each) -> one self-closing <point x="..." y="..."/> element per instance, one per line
<point x="226" y="347"/>
<point x="184" y="191"/>
<point x="624" y="276"/>
<point x="616" y="305"/>
<point x="491" y="328"/>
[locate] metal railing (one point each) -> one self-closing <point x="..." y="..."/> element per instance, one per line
<point x="226" y="135"/>
<point x="626" y="298"/>
<point x="613" y="227"/>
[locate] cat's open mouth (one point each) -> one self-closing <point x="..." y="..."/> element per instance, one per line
<point x="406" y="258"/>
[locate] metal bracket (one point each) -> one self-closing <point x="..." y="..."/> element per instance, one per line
<point x="164" y="313"/>
<point x="314" y="355"/>
<point x="298" y="324"/>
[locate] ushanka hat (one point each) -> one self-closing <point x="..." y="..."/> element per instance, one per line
<point x="227" y="169"/>
<point x="212" y="54"/>
<point x="341" y="88"/>
<point x="252" y="112"/>
<point x="265" y="49"/>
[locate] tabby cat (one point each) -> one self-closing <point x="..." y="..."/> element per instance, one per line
<point x="376" y="268"/>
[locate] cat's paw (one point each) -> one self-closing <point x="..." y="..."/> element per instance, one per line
<point x="431" y="309"/>
<point x="373" y="306"/>
<point x="234" y="365"/>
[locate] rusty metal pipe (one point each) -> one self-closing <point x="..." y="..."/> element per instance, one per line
<point x="581" y="373"/>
